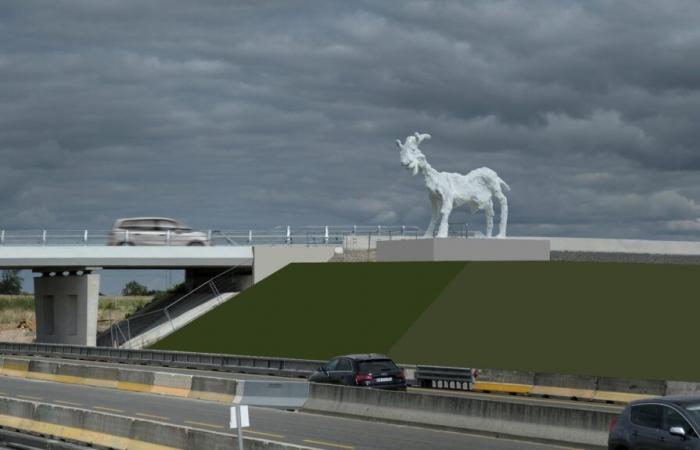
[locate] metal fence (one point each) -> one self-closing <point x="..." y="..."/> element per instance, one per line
<point x="204" y="361"/>
<point x="165" y="311"/>
<point x="282" y="235"/>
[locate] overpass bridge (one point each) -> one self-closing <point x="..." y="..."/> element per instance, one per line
<point x="67" y="285"/>
<point x="68" y="264"/>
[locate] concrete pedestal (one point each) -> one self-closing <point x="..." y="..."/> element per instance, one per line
<point x="66" y="308"/>
<point x="460" y="249"/>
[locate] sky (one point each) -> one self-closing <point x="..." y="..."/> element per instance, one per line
<point x="246" y="114"/>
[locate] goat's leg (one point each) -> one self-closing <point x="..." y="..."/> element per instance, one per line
<point x="445" y="211"/>
<point x="488" y="211"/>
<point x="503" y="202"/>
<point x="435" y="205"/>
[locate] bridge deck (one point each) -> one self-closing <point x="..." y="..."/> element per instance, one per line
<point x="136" y="257"/>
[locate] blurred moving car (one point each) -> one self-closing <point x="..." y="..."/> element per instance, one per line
<point x="155" y="231"/>
<point x="657" y="423"/>
<point x="368" y="370"/>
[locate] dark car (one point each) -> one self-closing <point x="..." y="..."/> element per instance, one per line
<point x="367" y="370"/>
<point x="657" y="423"/>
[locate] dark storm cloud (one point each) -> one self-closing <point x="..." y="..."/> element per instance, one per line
<point x="257" y="114"/>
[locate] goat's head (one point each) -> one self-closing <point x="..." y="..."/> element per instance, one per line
<point x="411" y="156"/>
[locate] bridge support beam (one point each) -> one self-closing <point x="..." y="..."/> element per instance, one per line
<point x="66" y="306"/>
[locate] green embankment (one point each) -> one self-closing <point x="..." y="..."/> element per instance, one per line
<point x="629" y="320"/>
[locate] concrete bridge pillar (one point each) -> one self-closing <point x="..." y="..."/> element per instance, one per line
<point x="66" y="307"/>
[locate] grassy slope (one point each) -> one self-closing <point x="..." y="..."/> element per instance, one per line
<point x="316" y="311"/>
<point x="635" y="320"/>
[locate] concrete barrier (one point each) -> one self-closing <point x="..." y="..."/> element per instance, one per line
<point x="15" y="367"/>
<point x="682" y="387"/>
<point x="163" y="383"/>
<point x="557" y="424"/>
<point x="580" y="387"/>
<point x="119" y="432"/>
<point x="213" y="389"/>
<point x="277" y="394"/>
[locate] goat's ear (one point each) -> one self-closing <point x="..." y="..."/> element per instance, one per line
<point x="398" y="143"/>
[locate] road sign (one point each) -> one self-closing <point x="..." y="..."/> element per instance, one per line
<point x="245" y="418"/>
<point x="240" y="419"/>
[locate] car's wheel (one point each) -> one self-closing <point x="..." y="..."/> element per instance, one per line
<point x="125" y="243"/>
<point x="195" y="244"/>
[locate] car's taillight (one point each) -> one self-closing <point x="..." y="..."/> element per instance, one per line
<point x="613" y="422"/>
<point x="363" y="378"/>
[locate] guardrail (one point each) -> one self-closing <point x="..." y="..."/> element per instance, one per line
<point x="286" y="235"/>
<point x="444" y="377"/>
<point x="204" y="361"/>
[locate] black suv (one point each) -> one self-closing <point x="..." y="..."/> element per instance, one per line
<point x="657" y="423"/>
<point x="368" y="370"/>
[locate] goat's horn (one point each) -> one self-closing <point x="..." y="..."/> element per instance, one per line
<point x="398" y="143"/>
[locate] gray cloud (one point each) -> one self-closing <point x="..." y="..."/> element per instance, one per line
<point x="251" y="114"/>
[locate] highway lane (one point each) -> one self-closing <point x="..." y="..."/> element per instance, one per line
<point x="577" y="404"/>
<point x="326" y="432"/>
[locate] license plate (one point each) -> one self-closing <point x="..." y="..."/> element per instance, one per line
<point x="383" y="380"/>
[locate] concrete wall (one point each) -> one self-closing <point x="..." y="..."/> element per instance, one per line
<point x="270" y="259"/>
<point x="503" y="418"/>
<point x="66" y="308"/>
<point x="456" y="249"/>
<point x="118" y="431"/>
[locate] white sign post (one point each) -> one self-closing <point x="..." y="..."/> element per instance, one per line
<point x="240" y="419"/>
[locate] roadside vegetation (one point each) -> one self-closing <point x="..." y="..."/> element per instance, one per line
<point x="17" y="321"/>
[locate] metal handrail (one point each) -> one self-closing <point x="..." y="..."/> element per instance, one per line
<point x="281" y="235"/>
<point x="210" y="283"/>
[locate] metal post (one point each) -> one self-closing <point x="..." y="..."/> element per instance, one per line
<point x="167" y="237"/>
<point x="43" y="237"/>
<point x="325" y="235"/>
<point x="289" y="235"/>
<point x="354" y="229"/>
<point x="403" y="230"/>
<point x="169" y="319"/>
<point x="2" y="237"/>
<point x="250" y="236"/>
<point x="85" y="237"/>
<point x="209" y="236"/>
<point x="240" y="428"/>
<point x="126" y="236"/>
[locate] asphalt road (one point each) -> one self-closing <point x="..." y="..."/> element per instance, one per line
<point x="325" y="432"/>
<point x="576" y="404"/>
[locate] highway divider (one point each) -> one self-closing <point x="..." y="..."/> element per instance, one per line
<point x="277" y="394"/>
<point x="165" y="383"/>
<point x="118" y="432"/>
<point x="604" y="389"/>
<point x="579" y="387"/>
<point x="502" y="417"/>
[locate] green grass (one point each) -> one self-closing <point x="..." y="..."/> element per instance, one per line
<point x="318" y="310"/>
<point x="614" y="319"/>
<point x="20" y="302"/>
<point x="17" y="308"/>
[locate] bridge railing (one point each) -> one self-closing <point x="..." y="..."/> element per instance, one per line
<point x="283" y="235"/>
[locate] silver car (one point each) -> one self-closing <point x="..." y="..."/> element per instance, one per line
<point x="155" y="231"/>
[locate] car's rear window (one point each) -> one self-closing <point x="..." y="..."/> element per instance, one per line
<point x="694" y="409"/>
<point x="376" y="365"/>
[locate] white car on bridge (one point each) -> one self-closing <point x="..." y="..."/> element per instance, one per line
<point x="155" y="231"/>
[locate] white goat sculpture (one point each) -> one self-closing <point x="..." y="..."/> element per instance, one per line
<point x="451" y="190"/>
